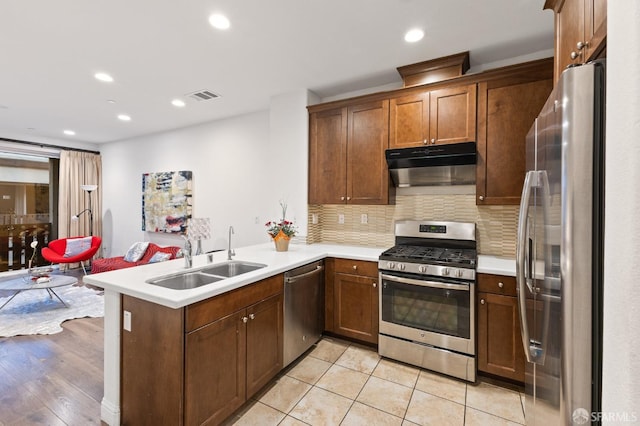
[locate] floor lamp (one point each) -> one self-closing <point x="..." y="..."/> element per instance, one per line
<point x="75" y="217"/>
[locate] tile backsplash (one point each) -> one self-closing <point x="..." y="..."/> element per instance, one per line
<point x="496" y="224"/>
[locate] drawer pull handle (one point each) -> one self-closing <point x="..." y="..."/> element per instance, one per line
<point x="245" y="319"/>
<point x="500" y="284"/>
<point x="355" y="267"/>
<point x="252" y="316"/>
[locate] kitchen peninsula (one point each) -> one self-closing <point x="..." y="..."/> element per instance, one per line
<point x="130" y="284"/>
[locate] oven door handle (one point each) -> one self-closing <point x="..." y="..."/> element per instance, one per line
<point x="448" y="286"/>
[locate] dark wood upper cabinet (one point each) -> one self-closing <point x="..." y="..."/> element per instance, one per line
<point x="409" y="120"/>
<point x="346" y="155"/>
<point x="581" y="31"/>
<point x="367" y="175"/>
<point x="328" y="156"/>
<point x="507" y="108"/>
<point x="453" y="115"/>
<point x="440" y="116"/>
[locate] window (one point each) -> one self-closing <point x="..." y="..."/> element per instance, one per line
<point x="28" y="207"/>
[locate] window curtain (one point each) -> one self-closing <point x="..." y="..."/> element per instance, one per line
<point x="76" y="169"/>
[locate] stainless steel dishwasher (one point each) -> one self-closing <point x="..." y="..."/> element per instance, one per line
<point x="303" y="309"/>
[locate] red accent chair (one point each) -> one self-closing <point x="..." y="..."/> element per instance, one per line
<point x="55" y="250"/>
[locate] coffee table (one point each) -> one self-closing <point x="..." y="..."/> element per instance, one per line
<point x="23" y="282"/>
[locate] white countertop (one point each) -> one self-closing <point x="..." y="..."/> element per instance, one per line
<point x="132" y="281"/>
<point x="496" y="265"/>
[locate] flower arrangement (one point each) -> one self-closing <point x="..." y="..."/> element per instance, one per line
<point x="284" y="226"/>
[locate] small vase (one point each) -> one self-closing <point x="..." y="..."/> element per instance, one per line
<point x="281" y="241"/>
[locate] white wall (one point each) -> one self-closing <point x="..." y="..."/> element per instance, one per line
<point x="621" y="364"/>
<point x="242" y="167"/>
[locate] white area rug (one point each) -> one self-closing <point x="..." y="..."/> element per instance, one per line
<point x="34" y="312"/>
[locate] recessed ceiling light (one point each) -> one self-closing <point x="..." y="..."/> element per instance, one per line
<point x="111" y="101"/>
<point x="219" y="21"/>
<point x="69" y="132"/>
<point x="103" y="77"/>
<point x="124" y="117"/>
<point x="178" y="103"/>
<point x="413" y="35"/>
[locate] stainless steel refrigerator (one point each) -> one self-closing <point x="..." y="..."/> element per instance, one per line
<point x="560" y="252"/>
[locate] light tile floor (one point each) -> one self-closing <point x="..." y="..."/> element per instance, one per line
<point x="340" y="383"/>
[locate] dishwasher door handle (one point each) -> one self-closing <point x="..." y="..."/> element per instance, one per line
<point x="295" y="278"/>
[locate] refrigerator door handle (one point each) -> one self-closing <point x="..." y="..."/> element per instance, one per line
<point x="521" y="254"/>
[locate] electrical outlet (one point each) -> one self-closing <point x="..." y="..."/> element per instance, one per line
<point x="364" y="219"/>
<point x="340" y="218"/>
<point x="314" y="218"/>
<point x="127" y="321"/>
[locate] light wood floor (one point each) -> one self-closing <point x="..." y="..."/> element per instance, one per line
<point x="53" y="379"/>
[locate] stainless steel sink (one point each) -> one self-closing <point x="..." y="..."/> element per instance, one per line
<point x="185" y="280"/>
<point x="232" y="268"/>
<point x="205" y="275"/>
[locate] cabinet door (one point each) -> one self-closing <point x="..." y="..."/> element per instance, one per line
<point x="367" y="173"/>
<point x="569" y="31"/>
<point x="595" y="28"/>
<point x="215" y="370"/>
<point x="505" y="115"/>
<point x="356" y="307"/>
<point x="264" y="342"/>
<point x="409" y="121"/>
<point x="500" y="350"/>
<point x="328" y="157"/>
<point x="453" y="115"/>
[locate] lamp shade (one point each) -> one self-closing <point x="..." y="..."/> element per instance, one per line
<point x="89" y="188"/>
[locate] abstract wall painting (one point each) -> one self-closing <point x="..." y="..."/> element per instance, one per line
<point x="167" y="201"/>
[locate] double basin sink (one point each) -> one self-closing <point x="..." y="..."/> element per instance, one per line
<point x="193" y="278"/>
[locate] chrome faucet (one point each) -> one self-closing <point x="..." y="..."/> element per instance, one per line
<point x="187" y="252"/>
<point x="230" y="252"/>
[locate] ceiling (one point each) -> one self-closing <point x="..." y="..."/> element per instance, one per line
<point x="158" y="50"/>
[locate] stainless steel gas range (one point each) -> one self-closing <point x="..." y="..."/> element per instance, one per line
<point x="427" y="297"/>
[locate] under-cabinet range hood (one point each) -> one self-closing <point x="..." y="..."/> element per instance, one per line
<point x="446" y="164"/>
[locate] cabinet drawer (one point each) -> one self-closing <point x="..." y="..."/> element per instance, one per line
<point x="497" y="284"/>
<point x="356" y="267"/>
<point x="210" y="310"/>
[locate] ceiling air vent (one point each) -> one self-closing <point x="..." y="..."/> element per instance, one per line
<point x="203" y="95"/>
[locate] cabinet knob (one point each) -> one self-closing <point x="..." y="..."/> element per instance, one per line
<point x="355" y="267"/>
<point x="433" y="141"/>
<point x="342" y="198"/>
<point x="574" y="55"/>
<point x="581" y="45"/>
<point x="500" y="284"/>
<point x="375" y="285"/>
<point x="245" y="319"/>
<point x="425" y="141"/>
<point x="348" y="198"/>
<point x="482" y="302"/>
<point x="481" y="198"/>
<point x="252" y="316"/>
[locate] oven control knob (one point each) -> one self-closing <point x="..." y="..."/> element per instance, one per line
<point x="445" y="271"/>
<point x="401" y="267"/>
<point x="459" y="273"/>
<point x="391" y="265"/>
<point x="422" y="269"/>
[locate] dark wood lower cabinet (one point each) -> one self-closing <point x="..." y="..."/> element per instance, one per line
<point x="352" y="299"/>
<point x="500" y="350"/>
<point x="198" y="364"/>
<point x="215" y="370"/>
